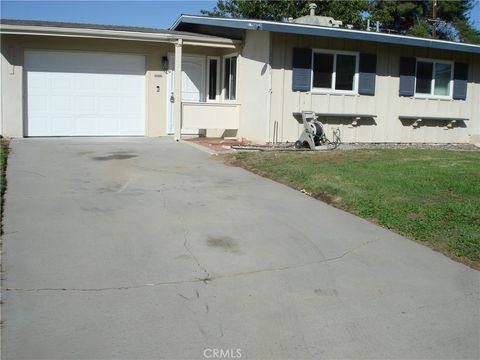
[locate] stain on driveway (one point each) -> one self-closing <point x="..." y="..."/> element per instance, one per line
<point x="156" y="250"/>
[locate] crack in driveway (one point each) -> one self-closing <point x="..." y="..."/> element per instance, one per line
<point x="205" y="280"/>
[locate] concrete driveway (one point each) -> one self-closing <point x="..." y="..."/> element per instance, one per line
<point x="149" y="249"/>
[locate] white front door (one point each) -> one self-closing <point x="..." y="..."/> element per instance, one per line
<point x="84" y="94"/>
<point x="193" y="86"/>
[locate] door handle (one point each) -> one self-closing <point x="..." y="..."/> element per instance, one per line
<point x="172" y="98"/>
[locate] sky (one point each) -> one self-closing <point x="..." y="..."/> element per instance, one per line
<point x="154" y="13"/>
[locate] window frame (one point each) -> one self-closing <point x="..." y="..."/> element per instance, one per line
<point x="218" y="94"/>
<point x="432" y="81"/>
<point x="223" y="92"/>
<point x="332" y="90"/>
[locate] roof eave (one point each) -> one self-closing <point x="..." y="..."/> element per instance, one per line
<point x="108" y="34"/>
<point x="326" y="32"/>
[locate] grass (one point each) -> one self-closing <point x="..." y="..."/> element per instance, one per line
<point x="432" y="196"/>
<point x="3" y="181"/>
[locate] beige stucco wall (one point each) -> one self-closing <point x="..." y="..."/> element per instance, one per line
<point x="386" y="103"/>
<point x="264" y="89"/>
<point x="12" y="82"/>
<point x="254" y="76"/>
<point x="220" y="53"/>
<point x="13" y="47"/>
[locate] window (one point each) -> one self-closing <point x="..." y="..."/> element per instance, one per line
<point x="213" y="78"/>
<point x="335" y="71"/>
<point x="230" y="78"/>
<point x="433" y="78"/>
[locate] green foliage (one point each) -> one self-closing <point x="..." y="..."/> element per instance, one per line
<point x="350" y="12"/>
<point x="415" y="18"/>
<point x="395" y="16"/>
<point x="430" y="195"/>
<point x="419" y="30"/>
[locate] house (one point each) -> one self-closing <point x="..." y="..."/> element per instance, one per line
<point x="240" y="78"/>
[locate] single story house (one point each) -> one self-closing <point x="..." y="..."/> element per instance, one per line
<point x="240" y="78"/>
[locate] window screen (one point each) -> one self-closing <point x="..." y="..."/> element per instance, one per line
<point x="345" y="72"/>
<point x="424" y="77"/>
<point x="230" y="80"/>
<point x="443" y="74"/>
<point x="322" y="70"/>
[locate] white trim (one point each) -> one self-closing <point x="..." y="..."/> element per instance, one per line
<point x="432" y="95"/>
<point x="223" y="78"/>
<point x="108" y="34"/>
<point x="207" y="85"/>
<point x="170" y="124"/>
<point x="332" y="90"/>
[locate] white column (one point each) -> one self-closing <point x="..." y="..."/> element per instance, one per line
<point x="177" y="92"/>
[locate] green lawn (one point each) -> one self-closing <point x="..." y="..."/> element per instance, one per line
<point x="429" y="195"/>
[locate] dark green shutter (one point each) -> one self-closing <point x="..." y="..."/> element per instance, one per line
<point x="407" y="76"/>
<point x="367" y="74"/>
<point x="460" y="81"/>
<point x="301" y="69"/>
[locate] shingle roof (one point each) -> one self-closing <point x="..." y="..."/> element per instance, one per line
<point x="85" y="26"/>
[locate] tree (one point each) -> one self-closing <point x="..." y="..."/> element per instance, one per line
<point x="416" y="18"/>
<point x="396" y="16"/>
<point x="350" y="12"/>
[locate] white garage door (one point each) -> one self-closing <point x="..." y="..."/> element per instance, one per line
<point x="85" y="94"/>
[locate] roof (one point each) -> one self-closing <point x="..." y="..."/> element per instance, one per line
<point x="38" y="27"/>
<point x="234" y="28"/>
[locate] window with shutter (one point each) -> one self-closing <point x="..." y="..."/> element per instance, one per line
<point x="407" y="76"/>
<point x="433" y="79"/>
<point x="335" y="72"/>
<point x="460" y="81"/>
<point x="301" y="69"/>
<point x="367" y="74"/>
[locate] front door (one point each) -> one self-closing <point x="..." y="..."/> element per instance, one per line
<point x="193" y="86"/>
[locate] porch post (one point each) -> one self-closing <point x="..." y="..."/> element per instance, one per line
<point x="177" y="92"/>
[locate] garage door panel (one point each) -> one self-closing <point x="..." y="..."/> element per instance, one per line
<point x="38" y="104"/>
<point x="109" y="105"/>
<point x="86" y="105"/>
<point x="41" y="125"/>
<point x="60" y="104"/>
<point x="82" y="94"/>
<point x="62" y="125"/>
<point x="131" y="106"/>
<point x="127" y="127"/>
<point x="87" y="125"/>
<point x="37" y="81"/>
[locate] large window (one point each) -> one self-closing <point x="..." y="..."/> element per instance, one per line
<point x="230" y="78"/>
<point x="433" y="78"/>
<point x="336" y="72"/>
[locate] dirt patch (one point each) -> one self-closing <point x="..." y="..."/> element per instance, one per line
<point x="217" y="144"/>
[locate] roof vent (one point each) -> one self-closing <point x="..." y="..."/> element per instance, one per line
<point x="312" y="19"/>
